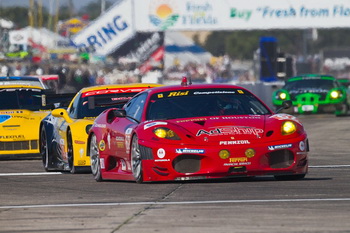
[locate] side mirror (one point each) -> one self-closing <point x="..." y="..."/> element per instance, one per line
<point x="119" y="113"/>
<point x="285" y="105"/>
<point x="60" y="112"/>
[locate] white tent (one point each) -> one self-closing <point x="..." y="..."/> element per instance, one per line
<point x="6" y="24"/>
<point x="178" y="46"/>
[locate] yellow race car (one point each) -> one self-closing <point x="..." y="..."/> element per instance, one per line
<point x="22" y="107"/>
<point x="64" y="132"/>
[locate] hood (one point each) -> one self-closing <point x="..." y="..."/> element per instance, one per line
<point x="21" y="119"/>
<point x="241" y="129"/>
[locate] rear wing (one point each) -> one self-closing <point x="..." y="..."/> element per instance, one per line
<point x="52" y="100"/>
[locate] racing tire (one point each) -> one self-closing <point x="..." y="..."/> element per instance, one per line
<point x="95" y="158"/>
<point x="136" y="160"/>
<point x="70" y="153"/>
<point x="44" y="150"/>
<point x="290" y="177"/>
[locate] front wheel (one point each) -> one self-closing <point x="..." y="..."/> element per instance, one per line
<point x="95" y="158"/>
<point x="136" y="160"/>
<point x="70" y="153"/>
<point x="44" y="150"/>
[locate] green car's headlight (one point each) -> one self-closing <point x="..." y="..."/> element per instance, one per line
<point x="288" y="127"/>
<point x="335" y="94"/>
<point x="282" y="95"/>
<point x="166" y="133"/>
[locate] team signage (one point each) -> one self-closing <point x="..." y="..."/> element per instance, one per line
<point x="109" y="31"/>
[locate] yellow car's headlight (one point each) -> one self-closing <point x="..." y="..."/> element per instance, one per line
<point x="282" y="95"/>
<point x="163" y="132"/>
<point x="288" y="127"/>
<point x="335" y="94"/>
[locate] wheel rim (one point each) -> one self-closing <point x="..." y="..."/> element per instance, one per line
<point x="94" y="155"/>
<point x="136" y="158"/>
<point x="43" y="149"/>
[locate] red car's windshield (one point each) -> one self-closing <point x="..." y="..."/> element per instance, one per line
<point x="206" y="102"/>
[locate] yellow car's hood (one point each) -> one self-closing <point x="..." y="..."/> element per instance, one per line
<point x="20" y="124"/>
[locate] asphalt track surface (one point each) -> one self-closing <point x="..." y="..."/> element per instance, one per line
<point x="32" y="200"/>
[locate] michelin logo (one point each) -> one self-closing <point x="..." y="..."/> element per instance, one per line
<point x="190" y="151"/>
<point x="277" y="147"/>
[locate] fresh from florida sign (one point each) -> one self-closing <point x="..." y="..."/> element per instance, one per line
<point x="153" y="15"/>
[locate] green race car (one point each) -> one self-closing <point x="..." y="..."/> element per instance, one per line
<point x="314" y="93"/>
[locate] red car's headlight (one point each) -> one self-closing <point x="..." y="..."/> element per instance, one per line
<point x="166" y="133"/>
<point x="288" y="127"/>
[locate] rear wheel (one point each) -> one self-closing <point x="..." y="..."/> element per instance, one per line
<point x="136" y="160"/>
<point x="95" y="158"/>
<point x="44" y="150"/>
<point x="70" y="153"/>
<point x="290" y="177"/>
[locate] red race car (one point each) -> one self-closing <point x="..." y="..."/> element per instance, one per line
<point x="200" y="131"/>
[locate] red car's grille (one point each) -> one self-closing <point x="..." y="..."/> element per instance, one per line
<point x="19" y="145"/>
<point x="281" y="159"/>
<point x="187" y="163"/>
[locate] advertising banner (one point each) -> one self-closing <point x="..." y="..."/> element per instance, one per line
<point x="154" y="15"/>
<point x="109" y="31"/>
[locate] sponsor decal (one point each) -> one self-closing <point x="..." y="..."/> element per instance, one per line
<point x="128" y="139"/>
<point x="190" y="151"/>
<point x="239" y="159"/>
<point x="191" y="120"/>
<point x="102" y="163"/>
<point x="160" y="96"/>
<point x="213" y="92"/>
<point x="277" y="147"/>
<point x="113" y="91"/>
<point x="81" y="152"/>
<point x="79" y="142"/>
<point x="231" y="130"/>
<point x="162" y="160"/>
<point x="120" y="144"/>
<point x="238" y="164"/>
<point x="161" y="153"/>
<point x="177" y="93"/>
<point x="4" y="118"/>
<point x="119" y="139"/>
<point x="14" y="137"/>
<point x="102" y="145"/>
<point x="237" y="142"/>
<point x="302" y="145"/>
<point x="149" y="125"/>
<point x="240" y="91"/>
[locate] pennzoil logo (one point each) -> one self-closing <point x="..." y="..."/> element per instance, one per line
<point x="163" y="13"/>
<point x="102" y="145"/>
<point x="178" y="93"/>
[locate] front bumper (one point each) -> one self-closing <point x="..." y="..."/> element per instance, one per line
<point x="174" y="162"/>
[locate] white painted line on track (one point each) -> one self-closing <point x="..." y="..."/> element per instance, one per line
<point x="31" y="174"/>
<point x="329" y="166"/>
<point x="177" y="203"/>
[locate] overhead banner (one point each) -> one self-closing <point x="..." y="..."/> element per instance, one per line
<point x="109" y="31"/>
<point x="155" y="15"/>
